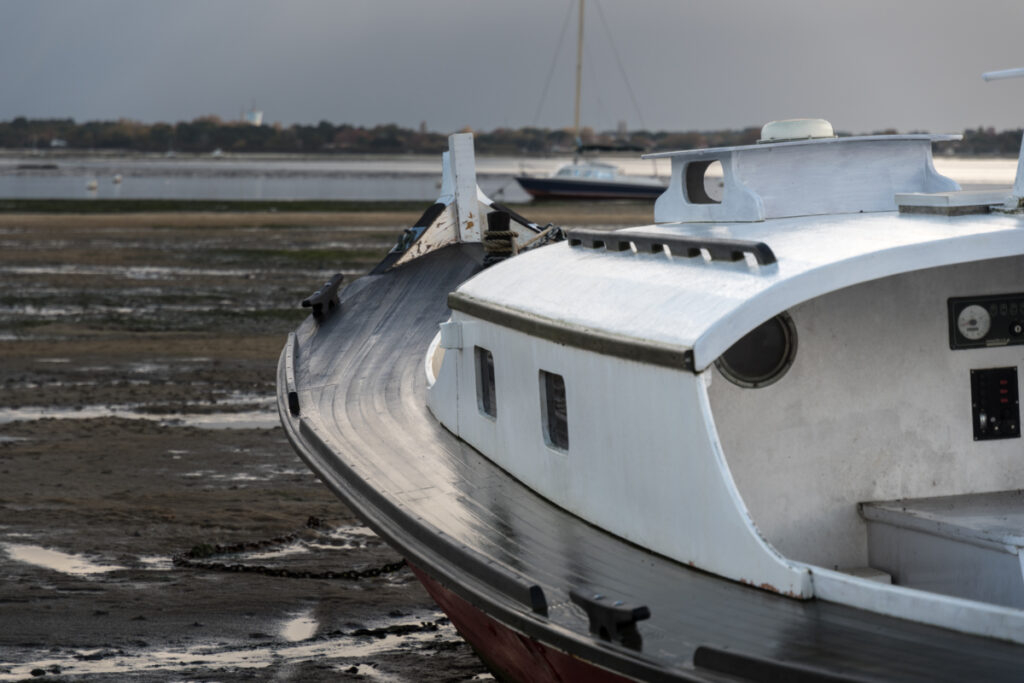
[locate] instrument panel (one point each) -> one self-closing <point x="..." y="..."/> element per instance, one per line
<point x="977" y="322"/>
<point x="995" y="404"/>
<point x="984" y="321"/>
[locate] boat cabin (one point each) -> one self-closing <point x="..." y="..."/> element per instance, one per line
<point x="591" y="170"/>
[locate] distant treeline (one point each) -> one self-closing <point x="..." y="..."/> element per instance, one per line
<point x="207" y="134"/>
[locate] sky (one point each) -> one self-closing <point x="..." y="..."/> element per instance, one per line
<point x="676" y="65"/>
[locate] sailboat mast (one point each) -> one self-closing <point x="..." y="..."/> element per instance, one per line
<point x="579" y="76"/>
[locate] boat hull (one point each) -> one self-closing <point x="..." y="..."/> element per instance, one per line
<point x="503" y="562"/>
<point x="510" y="655"/>
<point x="560" y="188"/>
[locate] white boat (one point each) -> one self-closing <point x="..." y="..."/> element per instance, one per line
<point x="774" y="436"/>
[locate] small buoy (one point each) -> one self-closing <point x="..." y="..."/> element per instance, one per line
<point x="117" y="178"/>
<point x="92" y="185"/>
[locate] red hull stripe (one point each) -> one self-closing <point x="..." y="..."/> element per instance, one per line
<point x="510" y="654"/>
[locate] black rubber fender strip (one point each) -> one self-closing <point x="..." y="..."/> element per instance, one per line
<point x="751" y="668"/>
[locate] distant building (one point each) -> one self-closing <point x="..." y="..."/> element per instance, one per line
<point x="253" y="117"/>
<point x="58" y="142"/>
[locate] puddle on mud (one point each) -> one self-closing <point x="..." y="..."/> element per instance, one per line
<point x="65" y="563"/>
<point x="154" y="367"/>
<point x="263" y="417"/>
<point x="242" y="476"/>
<point x="338" y="539"/>
<point x="127" y="272"/>
<point x="148" y="272"/>
<point x="301" y="627"/>
<point x="150" y="368"/>
<point x="160" y="563"/>
<point x="348" y="538"/>
<point x="53" y="312"/>
<point x="342" y="651"/>
<point x="287" y="551"/>
<point x="59" y="384"/>
<point x="256" y="419"/>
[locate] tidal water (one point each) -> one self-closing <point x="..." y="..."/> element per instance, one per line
<point x="405" y="177"/>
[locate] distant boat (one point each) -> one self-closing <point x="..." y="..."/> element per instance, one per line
<point x="117" y="179"/>
<point x="92" y="185"/>
<point x="589" y="179"/>
<point x="592" y="180"/>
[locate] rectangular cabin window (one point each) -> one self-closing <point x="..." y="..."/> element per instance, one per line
<point x="486" y="398"/>
<point x="553" y="410"/>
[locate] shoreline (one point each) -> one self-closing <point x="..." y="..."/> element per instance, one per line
<point x="75" y="153"/>
<point x="626" y="213"/>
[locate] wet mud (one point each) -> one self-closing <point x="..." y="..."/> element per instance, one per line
<point x="155" y="525"/>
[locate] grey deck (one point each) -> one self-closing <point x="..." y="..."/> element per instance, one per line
<point x="964" y="545"/>
<point x="364" y="429"/>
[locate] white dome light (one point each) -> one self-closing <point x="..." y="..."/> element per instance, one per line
<point x="796" y="129"/>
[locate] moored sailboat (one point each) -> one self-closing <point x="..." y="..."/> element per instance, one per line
<point x="589" y="179"/>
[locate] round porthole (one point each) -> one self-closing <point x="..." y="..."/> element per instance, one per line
<point x="762" y="356"/>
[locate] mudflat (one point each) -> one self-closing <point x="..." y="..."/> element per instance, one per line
<point x="154" y="522"/>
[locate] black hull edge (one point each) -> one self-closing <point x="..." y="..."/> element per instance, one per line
<point x="554" y="188"/>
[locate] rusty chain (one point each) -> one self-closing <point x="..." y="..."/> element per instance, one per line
<point x="195" y="559"/>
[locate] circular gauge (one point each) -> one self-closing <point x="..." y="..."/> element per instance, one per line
<point x="762" y="356"/>
<point x="973" y="322"/>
